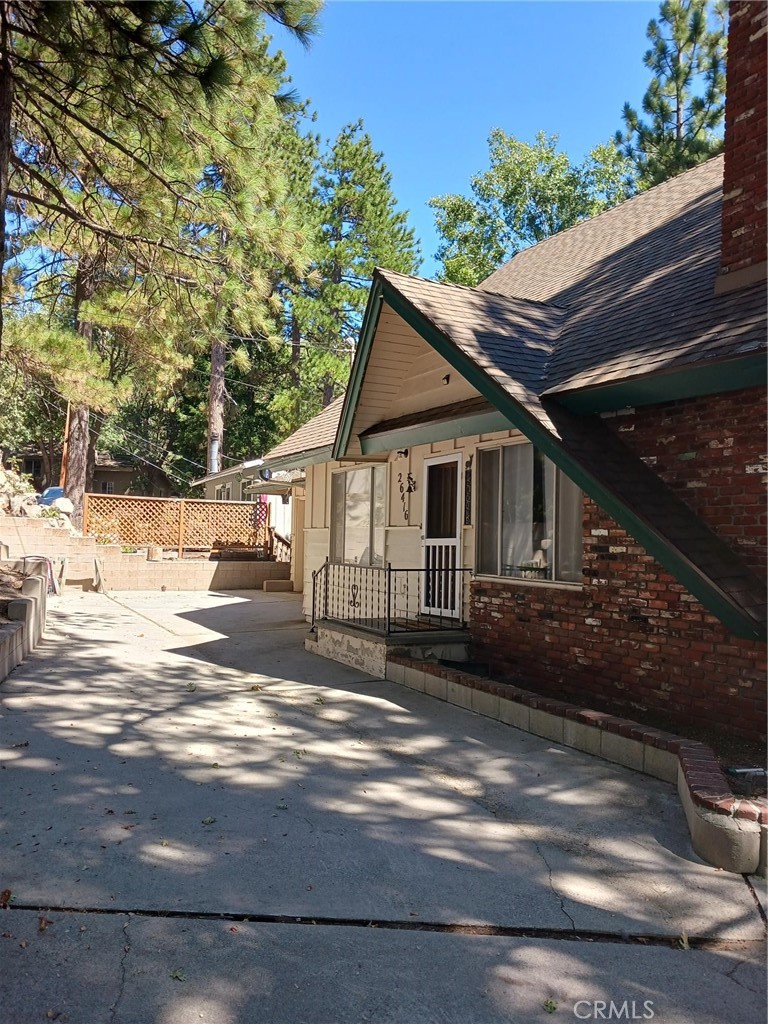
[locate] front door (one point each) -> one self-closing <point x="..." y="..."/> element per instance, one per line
<point x="441" y="539"/>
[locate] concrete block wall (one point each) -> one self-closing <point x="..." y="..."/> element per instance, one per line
<point x="24" y="630"/>
<point x="134" y="572"/>
<point x="33" y="537"/>
<point x="87" y="561"/>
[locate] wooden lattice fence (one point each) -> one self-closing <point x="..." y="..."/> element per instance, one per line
<point x="177" y="522"/>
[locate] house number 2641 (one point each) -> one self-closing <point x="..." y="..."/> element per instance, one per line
<point x="406" y="486"/>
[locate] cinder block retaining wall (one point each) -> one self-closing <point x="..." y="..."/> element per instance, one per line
<point x="88" y="562"/>
<point x="23" y="632"/>
<point x="134" y="572"/>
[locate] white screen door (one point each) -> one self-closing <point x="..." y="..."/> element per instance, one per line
<point x="441" y="539"/>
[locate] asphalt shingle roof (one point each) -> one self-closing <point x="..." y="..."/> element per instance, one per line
<point x="510" y="338"/>
<point x="638" y="282"/>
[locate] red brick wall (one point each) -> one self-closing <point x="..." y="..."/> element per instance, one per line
<point x="633" y="637"/>
<point x="746" y="134"/>
<point x="712" y="452"/>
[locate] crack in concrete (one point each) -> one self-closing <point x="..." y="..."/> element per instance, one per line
<point x="731" y="975"/>
<point x="560" y="898"/>
<point x="758" y="903"/>
<point x="121" y="987"/>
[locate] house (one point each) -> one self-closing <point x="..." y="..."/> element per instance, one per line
<point x="244" y="481"/>
<point x="113" y="474"/>
<point x="311" y="445"/>
<point x="566" y="464"/>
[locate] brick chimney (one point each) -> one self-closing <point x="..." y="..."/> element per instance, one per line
<point x="743" y="241"/>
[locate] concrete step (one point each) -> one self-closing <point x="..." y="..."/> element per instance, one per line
<point x="278" y="586"/>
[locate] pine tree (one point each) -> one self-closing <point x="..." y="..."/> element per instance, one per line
<point x="356" y="227"/>
<point x="140" y="234"/>
<point x="684" y="104"/>
<point x="529" y="192"/>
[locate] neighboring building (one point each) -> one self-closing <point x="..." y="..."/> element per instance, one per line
<point x="113" y="474"/>
<point x="585" y="432"/>
<point x="244" y="482"/>
<point x="310" y="445"/>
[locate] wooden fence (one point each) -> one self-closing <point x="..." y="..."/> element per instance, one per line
<point x="177" y="522"/>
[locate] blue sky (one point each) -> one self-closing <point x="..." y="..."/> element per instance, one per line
<point x="432" y="78"/>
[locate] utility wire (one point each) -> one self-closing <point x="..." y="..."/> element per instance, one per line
<point x="129" y="451"/>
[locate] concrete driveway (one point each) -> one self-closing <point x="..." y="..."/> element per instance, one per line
<point x="202" y="822"/>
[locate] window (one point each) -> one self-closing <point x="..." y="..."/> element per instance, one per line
<point x="358" y="501"/>
<point x="529" y="521"/>
<point x="107" y="487"/>
<point x="245" y="493"/>
<point x="33" y="467"/>
<point x="223" y="493"/>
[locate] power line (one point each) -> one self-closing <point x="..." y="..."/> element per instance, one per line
<point x="145" y="440"/>
<point x="129" y="451"/>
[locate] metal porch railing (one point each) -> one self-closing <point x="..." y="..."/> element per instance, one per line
<point x="385" y="600"/>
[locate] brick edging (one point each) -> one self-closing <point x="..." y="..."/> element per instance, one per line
<point x="703" y="775"/>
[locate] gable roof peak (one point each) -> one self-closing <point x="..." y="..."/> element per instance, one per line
<point x="396" y="278"/>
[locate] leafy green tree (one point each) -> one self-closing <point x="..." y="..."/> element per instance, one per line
<point x="31" y="417"/>
<point x="530" y="191"/>
<point x="684" y="105"/>
<point x="356" y="226"/>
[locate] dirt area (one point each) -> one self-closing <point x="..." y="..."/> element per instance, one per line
<point x="731" y="751"/>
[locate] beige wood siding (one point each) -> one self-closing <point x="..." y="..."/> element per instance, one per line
<point x="404" y="375"/>
<point x="315" y="552"/>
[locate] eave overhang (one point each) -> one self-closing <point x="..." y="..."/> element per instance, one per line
<point x="297" y="460"/>
<point x="687" y="380"/>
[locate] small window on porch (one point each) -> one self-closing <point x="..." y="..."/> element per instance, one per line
<point x="223" y="492"/>
<point x="358" y="502"/>
<point x="529" y="517"/>
<point x="107" y="487"/>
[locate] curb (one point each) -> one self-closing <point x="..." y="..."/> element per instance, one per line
<point x="727" y="831"/>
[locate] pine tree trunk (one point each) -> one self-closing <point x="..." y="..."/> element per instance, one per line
<point x="216" y="398"/>
<point x="93" y="441"/>
<point x="327" y="392"/>
<point x="77" y="461"/>
<point x="6" y="108"/>
<point x="79" y="434"/>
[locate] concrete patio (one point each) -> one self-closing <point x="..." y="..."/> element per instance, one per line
<point x="219" y="826"/>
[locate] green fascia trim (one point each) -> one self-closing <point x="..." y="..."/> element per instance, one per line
<point x="360" y="365"/>
<point x="690" y="381"/>
<point x="301" y="459"/>
<point x="438" y="430"/>
<point x="705" y="590"/>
